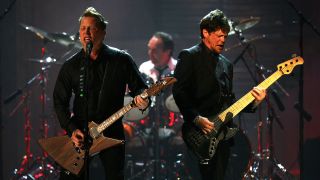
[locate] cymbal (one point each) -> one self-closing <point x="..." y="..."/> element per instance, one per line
<point x="60" y="38"/>
<point x="246" y="41"/>
<point x="242" y="24"/>
<point x="46" y="60"/>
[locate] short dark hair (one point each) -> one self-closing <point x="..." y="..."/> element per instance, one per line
<point x="213" y="21"/>
<point x="167" y="41"/>
<point x="92" y="12"/>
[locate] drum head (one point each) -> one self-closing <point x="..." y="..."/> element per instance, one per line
<point x="240" y="155"/>
<point x="134" y="114"/>
<point x="171" y="104"/>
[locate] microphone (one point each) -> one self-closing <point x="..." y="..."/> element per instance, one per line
<point x="89" y="47"/>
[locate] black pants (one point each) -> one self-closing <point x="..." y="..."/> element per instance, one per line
<point x="216" y="168"/>
<point x="113" y="164"/>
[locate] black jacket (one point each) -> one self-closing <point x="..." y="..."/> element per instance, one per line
<point x="204" y="85"/>
<point x="108" y="75"/>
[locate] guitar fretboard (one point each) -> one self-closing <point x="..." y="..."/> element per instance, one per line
<point x="101" y="127"/>
<point x="238" y="106"/>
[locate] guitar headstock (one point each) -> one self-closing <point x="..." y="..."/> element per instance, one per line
<point x="287" y="67"/>
<point x="160" y="85"/>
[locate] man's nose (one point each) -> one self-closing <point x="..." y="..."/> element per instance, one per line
<point x="88" y="30"/>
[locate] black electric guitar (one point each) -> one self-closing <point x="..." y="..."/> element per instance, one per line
<point x="204" y="145"/>
<point x="61" y="148"/>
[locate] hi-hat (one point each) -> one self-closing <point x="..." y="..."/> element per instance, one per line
<point x="242" y="24"/>
<point x="46" y="60"/>
<point x="60" y="38"/>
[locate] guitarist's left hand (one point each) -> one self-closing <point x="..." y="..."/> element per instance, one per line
<point x="259" y="94"/>
<point x="140" y="102"/>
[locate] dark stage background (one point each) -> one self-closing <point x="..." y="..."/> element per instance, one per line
<point x="131" y="24"/>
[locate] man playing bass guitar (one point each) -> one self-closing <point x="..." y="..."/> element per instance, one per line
<point x="204" y="88"/>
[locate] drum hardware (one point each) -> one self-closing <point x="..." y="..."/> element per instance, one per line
<point x="40" y="167"/>
<point x="264" y="165"/>
<point x="158" y="131"/>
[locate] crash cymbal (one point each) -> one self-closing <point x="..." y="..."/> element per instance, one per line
<point x="65" y="39"/>
<point x="242" y="24"/>
<point x="245" y="41"/>
<point x="60" y="38"/>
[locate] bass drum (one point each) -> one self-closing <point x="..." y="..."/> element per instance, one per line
<point x="240" y="156"/>
<point x="136" y="150"/>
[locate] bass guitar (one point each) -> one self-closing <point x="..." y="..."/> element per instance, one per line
<point x="205" y="145"/>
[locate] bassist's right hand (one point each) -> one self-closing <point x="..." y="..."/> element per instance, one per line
<point x="77" y="138"/>
<point x="204" y="124"/>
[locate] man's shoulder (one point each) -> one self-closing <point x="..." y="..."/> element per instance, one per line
<point x="73" y="59"/>
<point x="191" y="52"/>
<point x="146" y="66"/>
<point x="193" y="49"/>
<point x="224" y="59"/>
<point x="114" y="51"/>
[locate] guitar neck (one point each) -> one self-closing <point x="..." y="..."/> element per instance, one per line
<point x="238" y="106"/>
<point x="151" y="91"/>
<point x="106" y="123"/>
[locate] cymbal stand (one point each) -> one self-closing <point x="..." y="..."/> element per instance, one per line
<point x="264" y="164"/>
<point x="45" y="167"/>
<point x="28" y="157"/>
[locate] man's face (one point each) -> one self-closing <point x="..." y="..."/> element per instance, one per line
<point x="90" y="31"/>
<point x="157" y="55"/>
<point x="215" y="40"/>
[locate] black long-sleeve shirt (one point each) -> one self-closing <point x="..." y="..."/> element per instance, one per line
<point x="108" y="76"/>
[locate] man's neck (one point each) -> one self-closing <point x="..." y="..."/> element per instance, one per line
<point x="95" y="52"/>
<point x="162" y="65"/>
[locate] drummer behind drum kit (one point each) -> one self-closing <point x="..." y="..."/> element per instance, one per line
<point x="155" y="149"/>
<point x="152" y="136"/>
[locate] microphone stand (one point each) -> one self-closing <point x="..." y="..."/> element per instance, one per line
<point x="302" y="21"/>
<point x="85" y="88"/>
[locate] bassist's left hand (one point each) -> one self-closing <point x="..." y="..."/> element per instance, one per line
<point x="259" y="94"/>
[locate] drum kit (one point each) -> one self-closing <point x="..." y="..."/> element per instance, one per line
<point x="152" y="136"/>
<point x="38" y="167"/>
<point x="154" y="146"/>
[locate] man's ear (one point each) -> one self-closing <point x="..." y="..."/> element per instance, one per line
<point x="205" y="33"/>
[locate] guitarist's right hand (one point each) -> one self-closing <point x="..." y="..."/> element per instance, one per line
<point x="204" y="124"/>
<point x="77" y="138"/>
